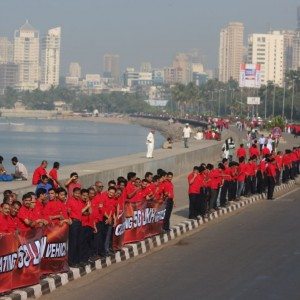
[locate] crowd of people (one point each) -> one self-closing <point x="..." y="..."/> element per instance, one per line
<point x="90" y="212"/>
<point x="257" y="170"/>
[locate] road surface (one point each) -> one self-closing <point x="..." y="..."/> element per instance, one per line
<point x="252" y="254"/>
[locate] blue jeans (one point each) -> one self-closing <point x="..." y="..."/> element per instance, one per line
<point x="240" y="188"/>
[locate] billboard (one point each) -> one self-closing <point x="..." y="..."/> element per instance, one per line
<point x="253" y="100"/>
<point x="250" y="76"/>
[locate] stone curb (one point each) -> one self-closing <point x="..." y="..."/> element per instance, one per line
<point x="52" y="282"/>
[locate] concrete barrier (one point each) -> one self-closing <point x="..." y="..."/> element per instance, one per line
<point x="179" y="160"/>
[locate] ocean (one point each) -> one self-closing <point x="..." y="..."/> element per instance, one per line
<point x="68" y="141"/>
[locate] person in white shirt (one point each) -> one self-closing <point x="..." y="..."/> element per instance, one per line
<point x="199" y="135"/>
<point x="261" y="141"/>
<point x="186" y="134"/>
<point x="150" y="144"/>
<point x="20" y="169"/>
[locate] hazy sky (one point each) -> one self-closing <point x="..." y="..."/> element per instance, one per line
<point x="143" y="30"/>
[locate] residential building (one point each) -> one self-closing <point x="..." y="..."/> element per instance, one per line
<point x="50" y="58"/>
<point x="158" y="76"/>
<point x="231" y="51"/>
<point x="6" y="50"/>
<point x="296" y="44"/>
<point x="173" y="75"/>
<point x="75" y="70"/>
<point x="146" y="67"/>
<point x="133" y="78"/>
<point x="267" y="50"/>
<point x="9" y="76"/>
<point x="182" y="63"/>
<point x="26" y="55"/>
<point x="111" y="65"/>
<point x="288" y="38"/>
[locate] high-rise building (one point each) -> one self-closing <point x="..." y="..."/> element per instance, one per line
<point x="26" y="55"/>
<point x="6" y="50"/>
<point x="9" y="76"/>
<point x="50" y="58"/>
<point x="111" y="65"/>
<point x="75" y="70"/>
<point x="231" y="51"/>
<point x="146" y="67"/>
<point x="267" y="50"/>
<point x="182" y="62"/>
<point x="288" y="37"/>
<point x="296" y="44"/>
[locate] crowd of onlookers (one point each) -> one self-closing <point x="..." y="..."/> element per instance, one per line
<point x="90" y="212"/>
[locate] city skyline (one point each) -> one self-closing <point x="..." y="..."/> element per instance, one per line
<point x="163" y="31"/>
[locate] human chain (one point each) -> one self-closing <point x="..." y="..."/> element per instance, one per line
<point x="91" y="214"/>
<point x="211" y="188"/>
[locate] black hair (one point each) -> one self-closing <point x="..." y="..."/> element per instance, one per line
<point x="112" y="182"/>
<point x="73" y="174"/>
<point x="147" y="174"/>
<point x="84" y="191"/>
<point x="56" y="165"/>
<point x="130" y="175"/>
<point x="60" y="190"/>
<point x="14" y="159"/>
<point x="111" y="188"/>
<point x="1" y="159"/>
<point x="76" y="189"/>
<point x="170" y="174"/>
<point x="44" y="177"/>
<point x="25" y="196"/>
<point x="40" y="192"/>
<point x="16" y="202"/>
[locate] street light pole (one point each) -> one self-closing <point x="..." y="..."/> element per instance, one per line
<point x="283" y="100"/>
<point x="219" y="104"/>
<point x="266" y="102"/>
<point x="293" y="96"/>
<point x="273" y="109"/>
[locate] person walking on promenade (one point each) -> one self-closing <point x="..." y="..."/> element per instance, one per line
<point x="20" y="169"/>
<point x="186" y="134"/>
<point x="150" y="144"/>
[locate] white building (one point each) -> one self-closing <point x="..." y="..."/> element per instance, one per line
<point x="231" y="51"/>
<point x="26" y="55"/>
<point x="6" y="50"/>
<point x="134" y="78"/>
<point x="50" y="58"/>
<point x="75" y="70"/>
<point x="268" y="51"/>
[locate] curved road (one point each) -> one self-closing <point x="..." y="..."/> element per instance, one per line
<point x="253" y="254"/>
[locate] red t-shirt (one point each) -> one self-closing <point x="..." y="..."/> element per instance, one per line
<point x="241" y="152"/>
<point x="278" y="159"/>
<point x="54" y="175"/>
<point x="265" y="151"/>
<point x="159" y="192"/>
<point x="194" y="188"/>
<point x="129" y="189"/>
<point x="75" y="207"/>
<point x="4" y="228"/>
<point x="26" y="213"/>
<point x="38" y="209"/>
<point x="253" y="151"/>
<point x="215" y="177"/>
<point x="54" y="208"/>
<point x="169" y="189"/>
<point x="228" y="174"/>
<point x="139" y="196"/>
<point x="88" y="220"/>
<point x="251" y="168"/>
<point x="37" y="174"/>
<point x="261" y="166"/>
<point x="97" y="207"/>
<point x="109" y="205"/>
<point x="271" y="170"/>
<point x="242" y="171"/>
<point x="72" y="186"/>
<point x="286" y="160"/>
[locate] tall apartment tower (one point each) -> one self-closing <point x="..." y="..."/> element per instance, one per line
<point x="6" y="50"/>
<point x="75" y="70"/>
<point x="26" y="55"/>
<point x="50" y="58"/>
<point x="267" y="50"/>
<point x="296" y="44"/>
<point x="111" y="65"/>
<point x="288" y="38"/>
<point x="231" y="51"/>
<point x="182" y="63"/>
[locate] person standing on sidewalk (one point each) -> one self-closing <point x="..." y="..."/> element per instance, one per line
<point x="169" y="191"/>
<point x="271" y="177"/>
<point x="186" y="134"/>
<point x="150" y="144"/>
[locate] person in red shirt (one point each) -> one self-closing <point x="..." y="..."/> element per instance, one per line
<point x="53" y="175"/>
<point x="265" y="151"/>
<point x="138" y="194"/>
<point x="38" y="172"/>
<point x="261" y="176"/>
<point x="226" y="183"/>
<point x="250" y="181"/>
<point x="233" y="166"/>
<point x="287" y="165"/>
<point x="72" y="183"/>
<point x="130" y="189"/>
<point x="241" y="152"/>
<point x="6" y="222"/>
<point x="169" y="190"/>
<point x="253" y="151"/>
<point x="28" y="219"/>
<point x="109" y="210"/>
<point x="242" y="173"/>
<point x="215" y="181"/>
<point x="271" y="176"/>
<point x="14" y="210"/>
<point x="87" y="253"/>
<point x="193" y="191"/>
<point x="55" y="211"/>
<point x="75" y="206"/>
<point x="278" y="159"/>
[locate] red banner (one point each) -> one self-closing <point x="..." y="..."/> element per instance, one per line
<point x="25" y="256"/>
<point x="138" y="221"/>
